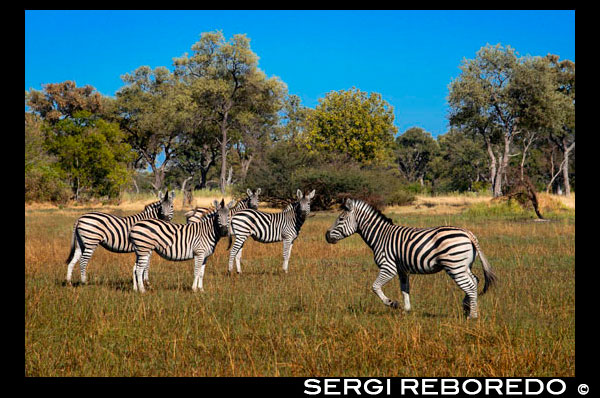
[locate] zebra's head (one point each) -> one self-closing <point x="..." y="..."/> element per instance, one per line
<point x="253" y="198"/>
<point x="222" y="216"/>
<point x="345" y="225"/>
<point x="165" y="207"/>
<point x="303" y="204"/>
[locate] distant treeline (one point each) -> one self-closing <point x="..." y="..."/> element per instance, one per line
<point x="216" y="120"/>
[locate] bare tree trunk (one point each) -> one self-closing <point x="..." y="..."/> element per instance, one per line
<point x="490" y="152"/>
<point x="245" y="163"/>
<point x="230" y="175"/>
<point x="526" y="145"/>
<point x="137" y="189"/>
<point x="223" y="178"/>
<point x="565" y="166"/>
<point x="186" y="198"/>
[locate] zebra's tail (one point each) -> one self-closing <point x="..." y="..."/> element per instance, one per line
<point x="72" y="244"/>
<point x="489" y="276"/>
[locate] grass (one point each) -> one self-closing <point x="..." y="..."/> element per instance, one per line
<point x="320" y="319"/>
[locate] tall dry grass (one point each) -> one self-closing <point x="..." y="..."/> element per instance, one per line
<point x="320" y="319"/>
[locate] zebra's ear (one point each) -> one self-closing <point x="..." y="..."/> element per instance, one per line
<point x="311" y="195"/>
<point x="160" y="195"/>
<point x="299" y="194"/>
<point x="258" y="191"/>
<point x="231" y="204"/>
<point x="216" y="204"/>
<point x="249" y="192"/>
<point x="222" y="203"/>
<point x="347" y="205"/>
<point x="171" y="195"/>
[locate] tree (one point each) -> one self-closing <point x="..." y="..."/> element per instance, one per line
<point x="459" y="163"/>
<point x="59" y="100"/>
<point x="415" y="149"/>
<point x="355" y="123"/>
<point x="484" y="101"/>
<point x="154" y="110"/>
<point x="563" y="133"/>
<point x="44" y="179"/>
<point x="92" y="152"/>
<point x="225" y="81"/>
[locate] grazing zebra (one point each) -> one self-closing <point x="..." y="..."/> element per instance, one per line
<point x="251" y="202"/>
<point x="110" y="231"/>
<point x="178" y="242"/>
<point x="268" y="228"/>
<point x="403" y="251"/>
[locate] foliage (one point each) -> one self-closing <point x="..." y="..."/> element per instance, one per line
<point x="355" y="123"/>
<point x="59" y="100"/>
<point x="91" y="152"/>
<point x="414" y="151"/>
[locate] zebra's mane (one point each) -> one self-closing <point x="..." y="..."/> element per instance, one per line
<point x="372" y="209"/>
<point x="152" y="206"/>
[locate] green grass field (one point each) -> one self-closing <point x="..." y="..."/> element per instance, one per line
<point x="319" y="319"/>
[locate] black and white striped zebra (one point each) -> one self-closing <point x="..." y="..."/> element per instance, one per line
<point x="403" y="251"/>
<point x="269" y="228"/>
<point x="111" y="232"/>
<point x="178" y="242"/>
<point x="251" y="202"/>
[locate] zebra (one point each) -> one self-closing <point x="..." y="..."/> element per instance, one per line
<point x="110" y="231"/>
<point x="269" y="227"/>
<point x="178" y="242"/>
<point x="403" y="251"/>
<point x="251" y="202"/>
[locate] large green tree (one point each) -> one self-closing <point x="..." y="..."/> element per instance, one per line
<point x="415" y="149"/>
<point x="355" y="123"/>
<point x="483" y="101"/>
<point x="237" y="97"/>
<point x="92" y="152"/>
<point x="154" y="110"/>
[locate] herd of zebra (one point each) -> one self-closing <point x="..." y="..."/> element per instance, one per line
<point x="397" y="250"/>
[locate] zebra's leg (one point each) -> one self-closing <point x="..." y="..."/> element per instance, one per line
<point x="238" y="261"/>
<point x="467" y="282"/>
<point x="287" y="249"/>
<point x="76" y="257"/>
<point x="199" y="264"/>
<point x="135" y="286"/>
<point x="85" y="258"/>
<point x="146" y="280"/>
<point x="405" y="287"/>
<point x="233" y="254"/>
<point x="142" y="262"/>
<point x="385" y="275"/>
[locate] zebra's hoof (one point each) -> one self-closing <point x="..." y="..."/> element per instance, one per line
<point x="394" y="304"/>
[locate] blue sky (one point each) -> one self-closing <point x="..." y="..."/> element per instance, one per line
<point x="409" y="57"/>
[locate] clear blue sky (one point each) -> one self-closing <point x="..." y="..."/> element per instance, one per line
<point x="409" y="57"/>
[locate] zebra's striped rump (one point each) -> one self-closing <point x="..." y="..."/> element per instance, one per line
<point x="111" y="232"/>
<point x="402" y="251"/>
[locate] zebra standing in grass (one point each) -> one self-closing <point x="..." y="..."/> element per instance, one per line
<point x="251" y="202"/>
<point x="178" y="242"/>
<point x="268" y="228"/>
<point x="110" y="231"/>
<point x="403" y="251"/>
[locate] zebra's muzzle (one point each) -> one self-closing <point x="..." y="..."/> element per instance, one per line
<point x="329" y="238"/>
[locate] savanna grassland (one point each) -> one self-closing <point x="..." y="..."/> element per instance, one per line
<point x="319" y="319"/>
